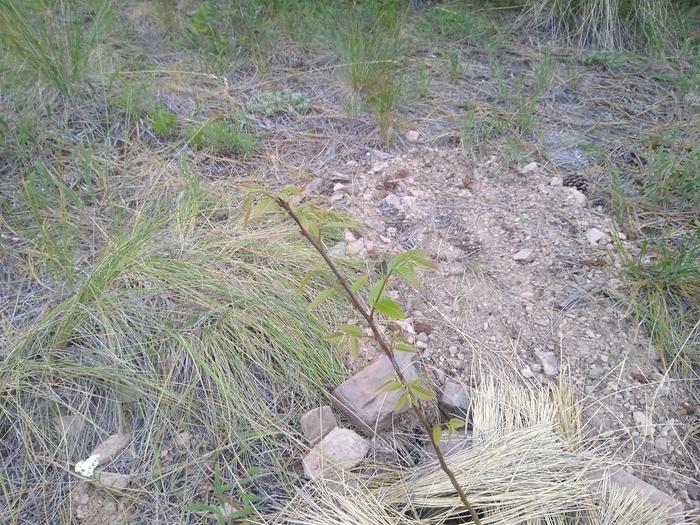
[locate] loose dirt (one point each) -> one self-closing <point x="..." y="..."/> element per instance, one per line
<point x="527" y="271"/>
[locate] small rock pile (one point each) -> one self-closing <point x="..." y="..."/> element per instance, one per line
<point x="363" y="400"/>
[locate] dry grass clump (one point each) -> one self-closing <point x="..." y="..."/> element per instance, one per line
<point x="525" y="466"/>
<point x="186" y="323"/>
<point x="605" y="24"/>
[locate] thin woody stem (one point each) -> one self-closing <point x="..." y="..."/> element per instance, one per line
<point x="386" y="348"/>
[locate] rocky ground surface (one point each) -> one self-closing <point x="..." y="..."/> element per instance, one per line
<point x="527" y="267"/>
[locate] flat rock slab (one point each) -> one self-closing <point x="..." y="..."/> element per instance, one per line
<point x="316" y="423"/>
<point x="113" y="480"/>
<point x="621" y="479"/>
<point x="454" y="401"/>
<point x="362" y="398"/>
<point x="111" y="447"/>
<point x="341" y="449"/>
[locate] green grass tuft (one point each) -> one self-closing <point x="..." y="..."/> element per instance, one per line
<point x="222" y="136"/>
<point x="54" y="40"/>
<point x="664" y="293"/>
<point x="371" y="54"/>
<point x="162" y="121"/>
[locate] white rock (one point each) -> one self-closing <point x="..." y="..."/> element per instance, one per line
<point x="527" y="372"/>
<point x="524" y="256"/>
<point x="380" y="155"/>
<point x="595" y="237"/>
<point x="661" y="444"/>
<point x="393" y="199"/>
<point x="643" y="423"/>
<point x="378" y="167"/>
<point x="340" y="449"/>
<point x="356" y="247"/>
<point x="412" y="136"/>
<point x="576" y="198"/>
<point x="528" y="168"/>
<point x="550" y="365"/>
<point x="454" y="401"/>
<point x="556" y="181"/>
<point x="317" y="423"/>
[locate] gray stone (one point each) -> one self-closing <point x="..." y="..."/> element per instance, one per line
<point x="550" y="365"/>
<point x="454" y="400"/>
<point x="316" y="423"/>
<point x="380" y="155"/>
<point x="393" y="200"/>
<point x="556" y="181"/>
<point x="595" y="372"/>
<point x="661" y="444"/>
<point x="595" y="237"/>
<point x="412" y="136"/>
<point x="113" y="480"/>
<point x="527" y="372"/>
<point x="362" y="398"/>
<point x="524" y="256"/>
<point x="341" y="449"/>
<point x="643" y="423"/>
<point x="338" y="250"/>
<point x="111" y="447"/>
<point x="618" y="479"/>
<point x="576" y="198"/>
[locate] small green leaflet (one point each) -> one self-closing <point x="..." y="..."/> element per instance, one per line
<point x="322" y="296"/>
<point x="404" y="347"/>
<point x="334" y="337"/>
<point x="305" y="281"/>
<point x="392" y="385"/>
<point x="359" y="283"/>
<point x="453" y="425"/>
<point x="437" y="434"/>
<point x="311" y="226"/>
<point x="418" y="390"/>
<point x="389" y="308"/>
<point x="376" y="291"/>
<point x="354" y="344"/>
<point x="413" y="258"/>
<point x="405" y="272"/>
<point x="290" y="191"/>
<point x="403" y="401"/>
<point x="351" y="330"/>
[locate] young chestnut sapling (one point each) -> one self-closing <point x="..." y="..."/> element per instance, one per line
<point x="312" y="221"/>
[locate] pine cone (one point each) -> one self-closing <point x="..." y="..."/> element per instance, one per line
<point x="576" y="180"/>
